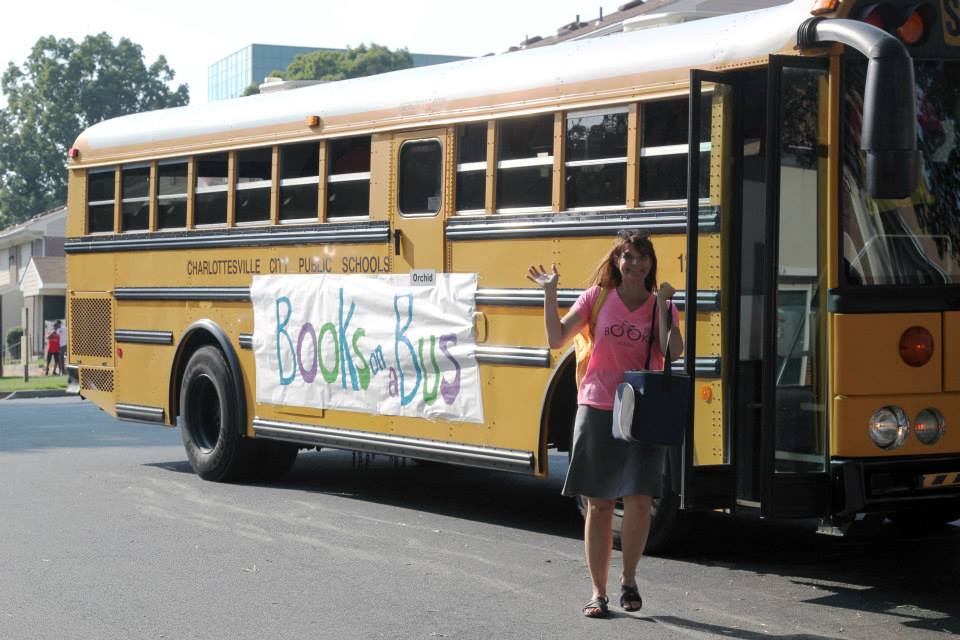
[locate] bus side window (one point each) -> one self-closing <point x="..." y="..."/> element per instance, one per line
<point x="210" y="201"/>
<point x="172" y="194"/>
<point x="663" y="150"/>
<point x="299" y="181"/>
<point x="348" y="182"/>
<point x="471" y="167"/>
<point x="525" y="163"/>
<point x="135" y="198"/>
<point x="595" y="159"/>
<point x="254" y="182"/>
<point x="100" y="200"/>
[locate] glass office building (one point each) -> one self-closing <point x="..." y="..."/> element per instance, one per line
<point x="230" y="76"/>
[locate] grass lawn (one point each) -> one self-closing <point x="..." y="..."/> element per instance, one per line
<point x="16" y="383"/>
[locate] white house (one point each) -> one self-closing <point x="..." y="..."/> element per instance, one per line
<point x="33" y="274"/>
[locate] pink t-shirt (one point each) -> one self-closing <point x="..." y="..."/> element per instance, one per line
<point x="620" y="341"/>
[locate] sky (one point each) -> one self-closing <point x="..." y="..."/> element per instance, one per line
<point x="193" y="34"/>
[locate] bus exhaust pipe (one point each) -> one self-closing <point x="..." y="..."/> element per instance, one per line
<point x="889" y="135"/>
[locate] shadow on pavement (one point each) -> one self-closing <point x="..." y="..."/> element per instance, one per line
<point x="909" y="576"/>
<point x="500" y="498"/>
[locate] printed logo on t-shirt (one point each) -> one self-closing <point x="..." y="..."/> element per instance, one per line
<point x="626" y="331"/>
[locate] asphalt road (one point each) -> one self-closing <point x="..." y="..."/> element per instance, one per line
<point x="106" y="533"/>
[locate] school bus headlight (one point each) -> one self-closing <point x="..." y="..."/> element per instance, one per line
<point x="929" y="426"/>
<point x="889" y="427"/>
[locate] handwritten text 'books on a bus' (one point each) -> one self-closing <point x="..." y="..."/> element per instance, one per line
<point x="378" y="344"/>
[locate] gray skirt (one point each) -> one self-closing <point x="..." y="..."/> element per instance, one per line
<point x="603" y="467"/>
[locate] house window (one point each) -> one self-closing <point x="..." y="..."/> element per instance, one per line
<point x="348" y="181"/>
<point x="595" y="160"/>
<point x="100" y="200"/>
<point x="525" y="164"/>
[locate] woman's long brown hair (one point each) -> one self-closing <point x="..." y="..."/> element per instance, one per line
<point x="608" y="273"/>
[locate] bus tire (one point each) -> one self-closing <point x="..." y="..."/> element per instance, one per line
<point x="273" y="459"/>
<point x="211" y="435"/>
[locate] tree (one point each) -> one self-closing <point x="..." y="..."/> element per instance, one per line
<point x="352" y="63"/>
<point x="62" y="88"/>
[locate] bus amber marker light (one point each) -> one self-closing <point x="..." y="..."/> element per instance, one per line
<point x="929" y="426"/>
<point x="821" y="7"/>
<point x="916" y="346"/>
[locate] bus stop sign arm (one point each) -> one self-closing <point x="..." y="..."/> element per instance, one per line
<point x="889" y="135"/>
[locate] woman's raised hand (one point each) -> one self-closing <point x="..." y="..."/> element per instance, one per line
<point x="543" y="278"/>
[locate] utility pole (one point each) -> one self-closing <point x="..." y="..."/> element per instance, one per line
<point x="25" y="344"/>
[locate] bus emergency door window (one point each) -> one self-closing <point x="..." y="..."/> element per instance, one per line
<point x="595" y="159"/>
<point x="421" y="172"/>
<point x="172" y="194"/>
<point x="525" y="163"/>
<point x="254" y="182"/>
<point x="299" y="181"/>
<point x="210" y="201"/>
<point x="471" y="167"/>
<point x="348" y="184"/>
<point x="100" y="201"/>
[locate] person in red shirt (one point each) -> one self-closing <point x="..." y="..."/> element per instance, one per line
<point x="53" y="352"/>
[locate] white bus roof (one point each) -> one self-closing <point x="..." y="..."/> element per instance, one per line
<point x="522" y="80"/>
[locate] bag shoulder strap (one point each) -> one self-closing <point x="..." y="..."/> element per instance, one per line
<point x="595" y="311"/>
<point x="653" y="319"/>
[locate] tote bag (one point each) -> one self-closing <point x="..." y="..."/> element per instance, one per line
<point x="652" y="406"/>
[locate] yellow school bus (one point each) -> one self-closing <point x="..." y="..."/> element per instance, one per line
<point x="343" y="265"/>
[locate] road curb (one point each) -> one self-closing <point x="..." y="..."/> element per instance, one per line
<point x="34" y="393"/>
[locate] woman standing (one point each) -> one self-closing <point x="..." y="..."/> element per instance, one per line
<point x="603" y="469"/>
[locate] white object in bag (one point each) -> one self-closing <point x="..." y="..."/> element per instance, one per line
<point x="623" y="404"/>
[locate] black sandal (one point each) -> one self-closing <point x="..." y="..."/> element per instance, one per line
<point x="597" y="608"/>
<point x="630" y="599"/>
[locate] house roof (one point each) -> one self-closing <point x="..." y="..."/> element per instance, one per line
<point x="44" y="275"/>
<point x="34" y="227"/>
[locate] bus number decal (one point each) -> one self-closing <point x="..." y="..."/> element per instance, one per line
<point x="382" y="347"/>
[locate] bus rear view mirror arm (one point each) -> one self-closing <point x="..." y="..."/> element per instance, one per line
<point x="889" y="135"/>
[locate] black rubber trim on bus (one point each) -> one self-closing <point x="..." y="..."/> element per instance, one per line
<point x="892" y="299"/>
<point x="889" y="134"/>
<point x="267" y="236"/>
<point x="577" y="224"/>
<point x="222" y="340"/>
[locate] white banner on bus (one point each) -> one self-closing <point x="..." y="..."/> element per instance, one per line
<point x="369" y="343"/>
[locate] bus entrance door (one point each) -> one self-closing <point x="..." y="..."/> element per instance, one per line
<point x="707" y="462"/>
<point x="793" y="456"/>
<point x="418" y="199"/>
<point x="764" y="180"/>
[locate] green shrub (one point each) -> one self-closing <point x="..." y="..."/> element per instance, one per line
<point x="13" y="342"/>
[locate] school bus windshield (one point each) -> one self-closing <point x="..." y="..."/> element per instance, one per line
<point x="914" y="241"/>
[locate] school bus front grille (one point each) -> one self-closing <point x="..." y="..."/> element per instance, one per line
<point x="91" y="327"/>
<point x="96" y="379"/>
